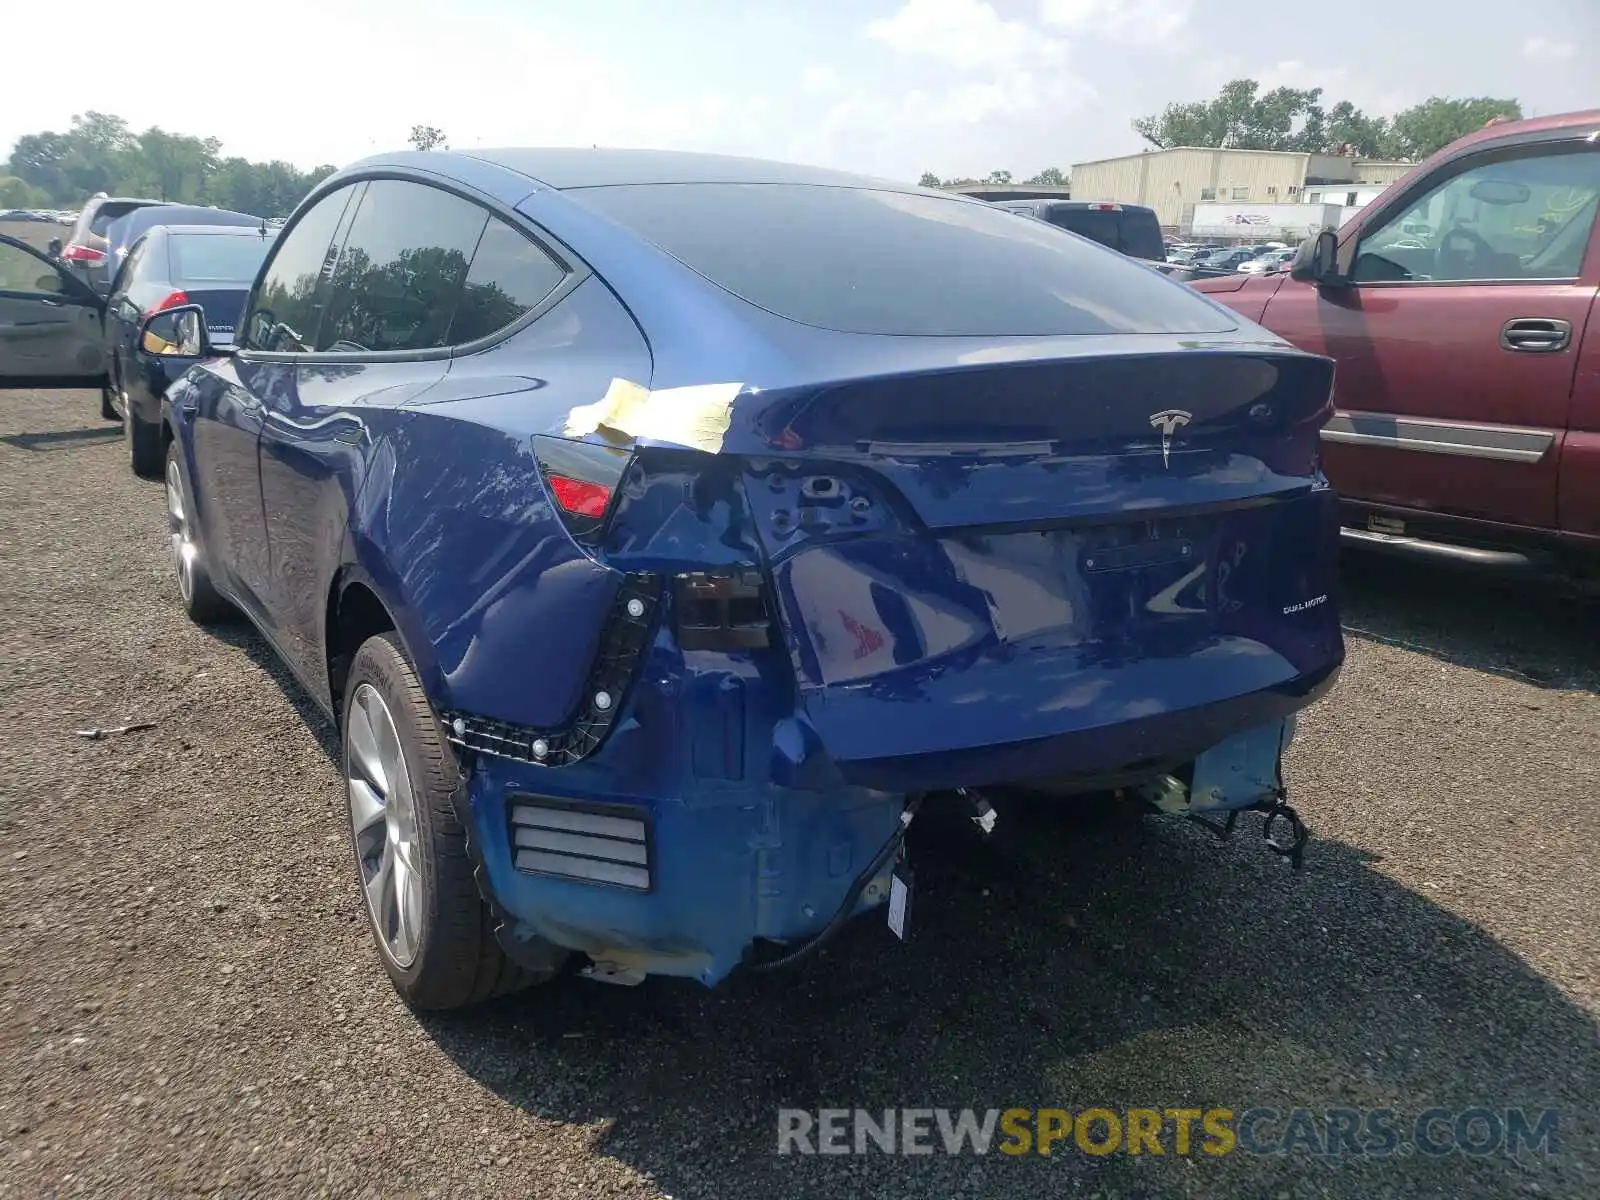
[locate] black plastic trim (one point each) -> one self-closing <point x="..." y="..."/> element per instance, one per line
<point x="622" y="645"/>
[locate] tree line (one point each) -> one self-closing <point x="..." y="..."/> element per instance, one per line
<point x="1053" y="176"/>
<point x="1243" y="117"/>
<point x="100" y="153"/>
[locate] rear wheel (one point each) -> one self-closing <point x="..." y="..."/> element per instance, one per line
<point x="432" y="929"/>
<point x="201" y="600"/>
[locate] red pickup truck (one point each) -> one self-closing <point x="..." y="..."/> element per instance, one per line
<point x="1461" y="308"/>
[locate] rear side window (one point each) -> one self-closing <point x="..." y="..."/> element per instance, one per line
<point x="510" y="276"/>
<point x="202" y="258"/>
<point x="864" y="260"/>
<point x="400" y="273"/>
<point x="285" y="308"/>
<point x="109" y="212"/>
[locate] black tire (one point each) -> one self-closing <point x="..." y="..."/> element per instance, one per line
<point x="457" y="960"/>
<point x="144" y="444"/>
<point x="201" y="600"/>
<point x="108" y="410"/>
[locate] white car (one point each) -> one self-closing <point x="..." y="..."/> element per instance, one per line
<point x="1269" y="263"/>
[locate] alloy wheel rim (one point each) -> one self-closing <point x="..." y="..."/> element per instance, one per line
<point x="184" y="551"/>
<point x="383" y="824"/>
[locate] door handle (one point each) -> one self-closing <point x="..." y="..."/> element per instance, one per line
<point x="1535" y="335"/>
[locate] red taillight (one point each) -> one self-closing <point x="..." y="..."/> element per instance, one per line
<point x="579" y="497"/>
<point x="173" y="300"/>
<point x="1105" y="208"/>
<point x="582" y="478"/>
<point x="82" y="254"/>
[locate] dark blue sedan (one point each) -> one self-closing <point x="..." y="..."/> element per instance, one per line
<point x="211" y="266"/>
<point x="665" y="531"/>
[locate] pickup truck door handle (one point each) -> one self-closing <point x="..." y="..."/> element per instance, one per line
<point x="1535" y="335"/>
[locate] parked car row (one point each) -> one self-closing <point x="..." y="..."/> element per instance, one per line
<point x="665" y="531"/>
<point x="108" y="227"/>
<point x="66" y="332"/>
<point x="48" y="215"/>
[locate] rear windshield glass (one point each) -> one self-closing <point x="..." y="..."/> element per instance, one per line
<point x="203" y="258"/>
<point x="1132" y="231"/>
<point x="109" y="212"/>
<point x="869" y="261"/>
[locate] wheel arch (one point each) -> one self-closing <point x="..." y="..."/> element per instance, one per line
<point x="360" y="605"/>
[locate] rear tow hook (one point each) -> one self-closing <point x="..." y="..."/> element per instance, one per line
<point x="1283" y="831"/>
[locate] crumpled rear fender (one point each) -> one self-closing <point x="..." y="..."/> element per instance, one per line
<point x="499" y="607"/>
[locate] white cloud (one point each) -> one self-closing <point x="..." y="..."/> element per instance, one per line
<point x="1543" y="48"/>
<point x="1136" y="21"/>
<point x="978" y="125"/>
<point x="1012" y="90"/>
<point x="570" y="94"/>
<point x="964" y="33"/>
<point x="818" y="80"/>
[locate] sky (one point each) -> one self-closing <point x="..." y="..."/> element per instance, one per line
<point x="888" y="87"/>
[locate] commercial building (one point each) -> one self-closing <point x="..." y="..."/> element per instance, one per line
<point x="1173" y="181"/>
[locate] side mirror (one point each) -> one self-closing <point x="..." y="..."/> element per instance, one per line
<point x="1317" y="260"/>
<point x="54" y="248"/>
<point x="176" y="331"/>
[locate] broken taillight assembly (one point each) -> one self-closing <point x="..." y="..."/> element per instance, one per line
<point x="583" y="479"/>
<point x="82" y="254"/>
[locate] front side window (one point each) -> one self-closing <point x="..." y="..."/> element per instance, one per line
<point x="400" y="273"/>
<point x="286" y="307"/>
<point x="1519" y="218"/>
<point x="24" y="274"/>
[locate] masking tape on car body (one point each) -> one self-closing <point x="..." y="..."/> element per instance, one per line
<point x="696" y="416"/>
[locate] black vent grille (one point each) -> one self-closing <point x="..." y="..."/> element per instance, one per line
<point x="594" y="843"/>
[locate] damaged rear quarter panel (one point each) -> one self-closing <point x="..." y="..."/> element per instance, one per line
<point x="506" y="608"/>
<point x="499" y="606"/>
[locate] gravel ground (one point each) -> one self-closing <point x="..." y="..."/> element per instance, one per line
<point x="188" y="1002"/>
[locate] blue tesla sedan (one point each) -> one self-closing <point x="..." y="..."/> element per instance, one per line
<point x="665" y="531"/>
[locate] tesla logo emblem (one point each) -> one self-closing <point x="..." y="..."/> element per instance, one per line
<point x="1169" y="421"/>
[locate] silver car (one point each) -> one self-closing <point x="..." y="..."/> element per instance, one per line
<point x="86" y="254"/>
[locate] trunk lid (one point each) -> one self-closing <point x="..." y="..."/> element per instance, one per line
<point x="1043" y="568"/>
<point x="223" y="306"/>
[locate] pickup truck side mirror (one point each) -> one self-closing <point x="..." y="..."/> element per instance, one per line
<point x="54" y="248"/>
<point x="1317" y="261"/>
